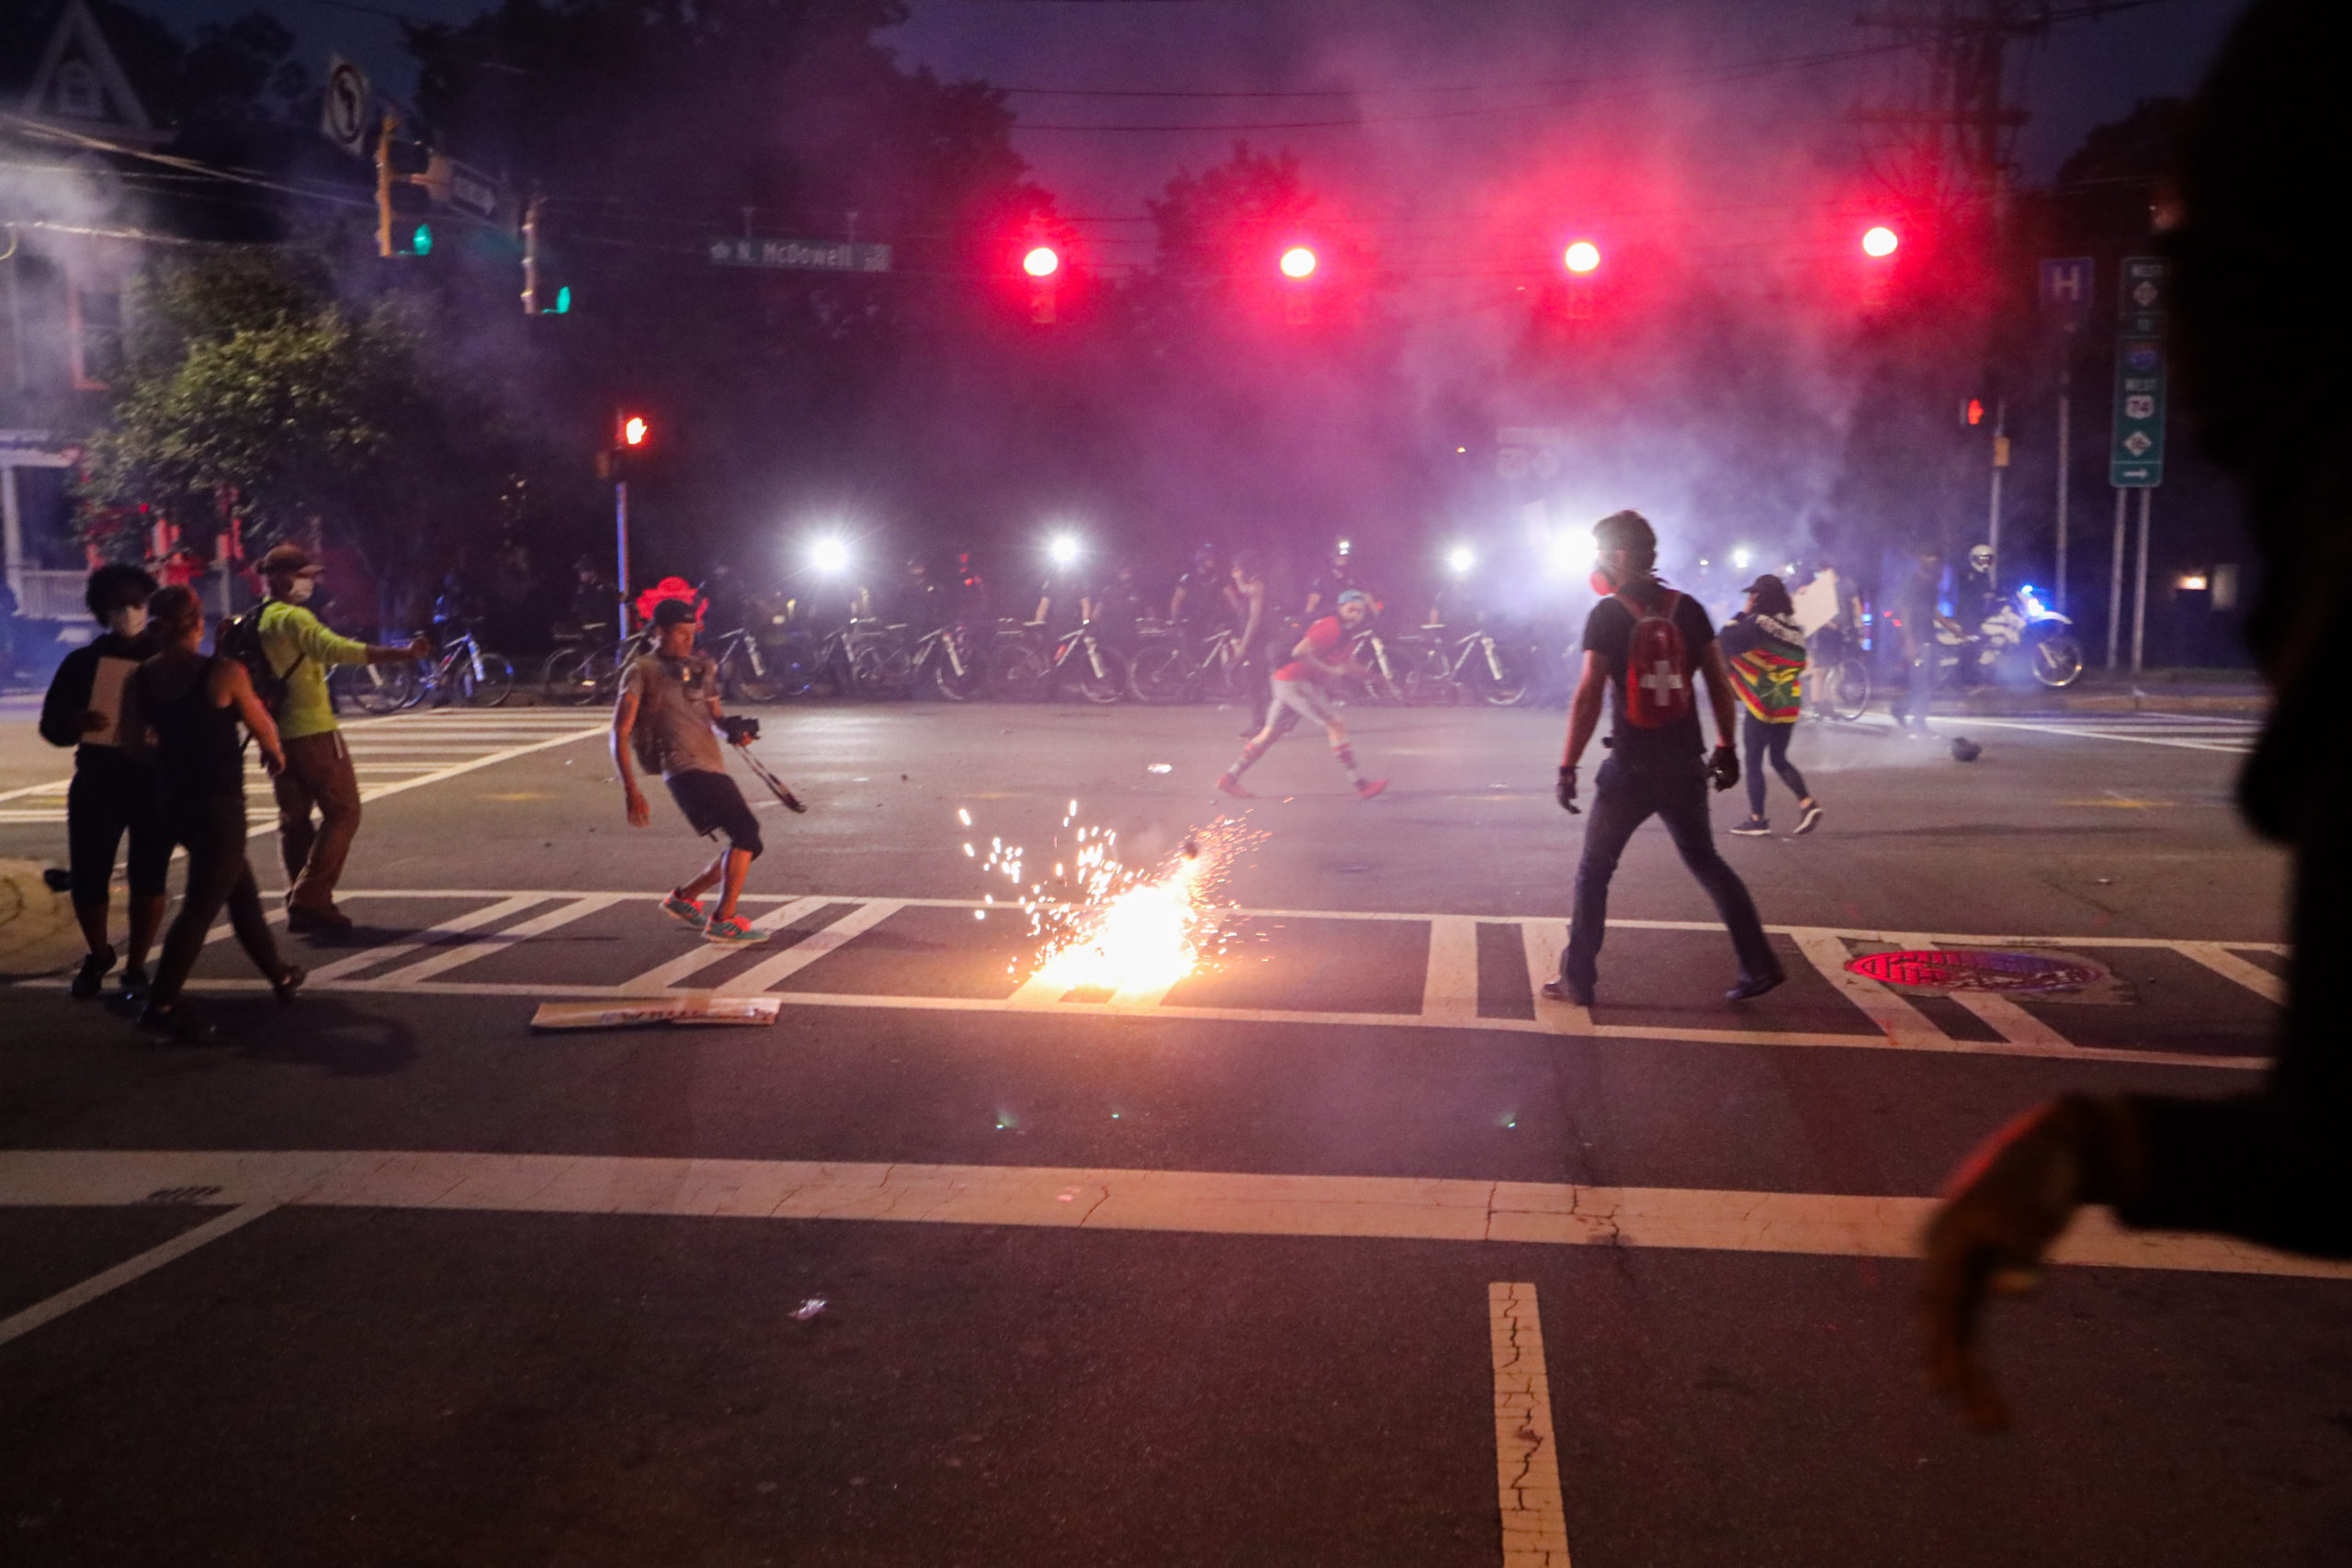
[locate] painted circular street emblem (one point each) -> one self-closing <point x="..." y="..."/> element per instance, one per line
<point x="1975" y="971"/>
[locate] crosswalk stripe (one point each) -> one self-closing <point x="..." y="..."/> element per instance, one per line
<point x="662" y="976"/>
<point x="2009" y="1019"/>
<point x="801" y="955"/>
<point x="456" y="925"/>
<point x="1527" y="1455"/>
<point x="2228" y="965"/>
<point x="1896" y="1017"/>
<point x="458" y="954"/>
<point x="1450" y="988"/>
<point x="1205" y="1202"/>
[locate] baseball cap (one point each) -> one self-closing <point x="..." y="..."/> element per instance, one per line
<point x="286" y="561"/>
<point x="670" y="612"/>
<point x="1355" y="596"/>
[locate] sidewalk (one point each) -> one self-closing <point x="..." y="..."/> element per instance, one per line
<point x="2100" y="691"/>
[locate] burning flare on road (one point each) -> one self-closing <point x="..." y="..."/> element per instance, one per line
<point x="1103" y="926"/>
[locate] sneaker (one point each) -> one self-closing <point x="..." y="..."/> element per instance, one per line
<point x="1749" y="989"/>
<point x="287" y="981"/>
<point x="1561" y="991"/>
<point x="1809" y="821"/>
<point x="301" y="918"/>
<point x="93" y="971"/>
<point x="686" y="911"/>
<point x="134" y="980"/>
<point x="733" y="931"/>
<point x="1367" y="788"/>
<point x="1228" y="785"/>
<point x="174" y="1021"/>
<point x="1755" y="828"/>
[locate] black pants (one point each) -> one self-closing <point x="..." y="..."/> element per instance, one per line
<point x="111" y="795"/>
<point x="1762" y="742"/>
<point x="212" y="831"/>
<point x="1622" y="799"/>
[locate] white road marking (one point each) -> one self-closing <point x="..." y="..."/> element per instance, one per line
<point x="1902" y="1023"/>
<point x="1210" y="1203"/>
<point x="1449" y="985"/>
<point x="2209" y="738"/>
<point x="802" y="954"/>
<point x="1527" y="1462"/>
<point x="455" y="925"/>
<point x="662" y="976"/>
<point x="2222" y="961"/>
<point x="458" y="953"/>
<point x="122" y="1274"/>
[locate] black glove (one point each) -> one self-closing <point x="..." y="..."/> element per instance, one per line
<point x="1567" y="790"/>
<point x="1724" y="767"/>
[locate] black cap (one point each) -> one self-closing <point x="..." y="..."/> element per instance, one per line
<point x="1767" y="583"/>
<point x="670" y="612"/>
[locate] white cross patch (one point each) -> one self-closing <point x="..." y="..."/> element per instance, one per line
<point x="1661" y="679"/>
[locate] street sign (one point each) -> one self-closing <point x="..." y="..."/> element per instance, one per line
<point x="799" y="255"/>
<point x="2137" y="458"/>
<point x="342" y="114"/>
<point x="2145" y="295"/>
<point x="2066" y="286"/>
<point x="460" y="185"/>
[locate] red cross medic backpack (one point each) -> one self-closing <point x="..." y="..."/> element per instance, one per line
<point x="1658" y="664"/>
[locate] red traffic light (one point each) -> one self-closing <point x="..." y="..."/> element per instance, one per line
<point x="1042" y="261"/>
<point x="1582" y="256"/>
<point x="1880" y="240"/>
<point x="633" y="431"/>
<point x="1298" y="262"/>
<point x="1974" y="412"/>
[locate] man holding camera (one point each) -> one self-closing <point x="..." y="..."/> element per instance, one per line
<point x="667" y="721"/>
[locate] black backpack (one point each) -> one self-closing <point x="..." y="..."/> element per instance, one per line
<point x="240" y="639"/>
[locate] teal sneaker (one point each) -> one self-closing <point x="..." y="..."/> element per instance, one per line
<point x="734" y="930"/>
<point x="686" y="911"/>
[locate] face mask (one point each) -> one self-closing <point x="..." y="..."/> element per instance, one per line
<point x="1602" y="583"/>
<point x="298" y="591"/>
<point x="129" y="620"/>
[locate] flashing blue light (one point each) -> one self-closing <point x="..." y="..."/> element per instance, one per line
<point x="563" y="300"/>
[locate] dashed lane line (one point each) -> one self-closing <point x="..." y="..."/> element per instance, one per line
<point x="1527" y="1455"/>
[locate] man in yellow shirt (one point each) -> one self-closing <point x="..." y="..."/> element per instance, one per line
<point x="318" y="771"/>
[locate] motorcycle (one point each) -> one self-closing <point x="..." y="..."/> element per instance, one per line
<point x="2024" y="626"/>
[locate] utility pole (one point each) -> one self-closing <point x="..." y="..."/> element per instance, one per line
<point x="2139" y="601"/>
<point x="2115" y="581"/>
<point x="2065" y="416"/>
<point x="531" y="256"/>
<point x="2001" y="466"/>
<point x="385" y="180"/>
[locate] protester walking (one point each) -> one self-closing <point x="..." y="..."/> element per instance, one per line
<point x="1254" y="612"/>
<point x="113" y="793"/>
<point x="1764" y="647"/>
<point x="667" y="721"/>
<point x="192" y="708"/>
<point x="1643" y="644"/>
<point x="298" y="650"/>
<point x="1320" y="656"/>
<point x="1915" y="619"/>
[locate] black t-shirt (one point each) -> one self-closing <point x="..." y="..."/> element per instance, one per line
<point x="1607" y="632"/>
<point x="1206" y="607"/>
<point x="1915" y="607"/>
<point x="200" y="751"/>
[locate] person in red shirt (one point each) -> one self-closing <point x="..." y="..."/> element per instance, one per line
<point x="1320" y="655"/>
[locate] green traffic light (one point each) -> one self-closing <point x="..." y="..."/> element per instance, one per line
<point x="421" y="242"/>
<point x="563" y="300"/>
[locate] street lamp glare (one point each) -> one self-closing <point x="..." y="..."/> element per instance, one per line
<point x="1063" y="549"/>
<point x="1298" y="262"/>
<point x="1042" y="260"/>
<point x="829" y="556"/>
<point x="1880" y="240"/>
<point x="1582" y="256"/>
<point x="1740" y="558"/>
<point x="1460" y="560"/>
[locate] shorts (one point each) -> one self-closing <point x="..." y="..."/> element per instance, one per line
<point x="1294" y="700"/>
<point x="713" y="805"/>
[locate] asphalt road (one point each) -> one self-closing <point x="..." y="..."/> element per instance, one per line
<point x="1335" y="1252"/>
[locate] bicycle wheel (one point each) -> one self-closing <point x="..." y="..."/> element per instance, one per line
<point x="1501" y="674"/>
<point x="879" y="673"/>
<point x="1428" y="678"/>
<point x="1161" y="675"/>
<point x="380" y="688"/>
<point x="958" y="687"/>
<point x="1221" y="680"/>
<point x="600" y="672"/>
<point x="486" y="681"/>
<point x="563" y="680"/>
<point x="1102" y="673"/>
<point x="1849" y="690"/>
<point x="1022" y="672"/>
<point x="744" y="683"/>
